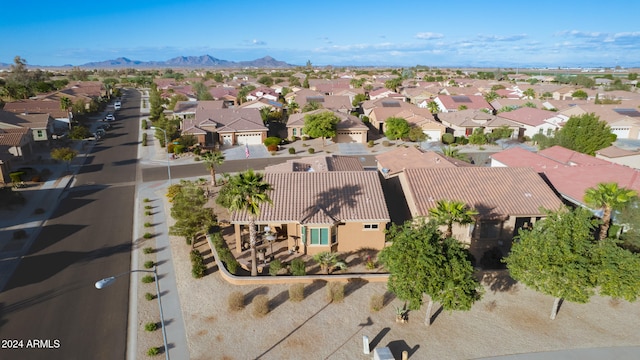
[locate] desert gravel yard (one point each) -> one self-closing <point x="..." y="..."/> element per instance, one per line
<point x="510" y="320"/>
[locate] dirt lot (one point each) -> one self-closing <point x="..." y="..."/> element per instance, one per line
<point x="509" y="319"/>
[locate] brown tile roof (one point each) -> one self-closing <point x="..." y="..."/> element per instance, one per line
<point x="210" y="116"/>
<point x="452" y="102"/>
<point x="395" y="161"/>
<point x="12" y="137"/>
<point x="322" y="198"/>
<point x="528" y="116"/>
<point x="614" y="152"/>
<point x="36" y="107"/>
<point x="493" y="192"/>
<point x="318" y="164"/>
<point x="33" y="121"/>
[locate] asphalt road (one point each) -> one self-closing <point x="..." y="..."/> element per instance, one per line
<point x="51" y="296"/>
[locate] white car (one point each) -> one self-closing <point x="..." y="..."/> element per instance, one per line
<point x="117" y="105"/>
<point x="110" y="117"/>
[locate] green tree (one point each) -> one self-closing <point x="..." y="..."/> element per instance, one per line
<point x="618" y="272"/>
<point x="328" y="261"/>
<point x="433" y="107"/>
<point x="420" y="261"/>
<point x="358" y="99"/>
<point x="393" y="84"/>
<point x="629" y="218"/>
<point x="554" y="257"/>
<point x="65" y="103"/>
<point x="247" y="191"/>
<point x="491" y="95"/>
<point x="321" y="125"/>
<point x="449" y="212"/>
<point x="478" y="137"/>
<point x="65" y="154"/>
<point x="585" y="133"/>
<point x="155" y="103"/>
<point x="211" y="160"/>
<point x="396" y="128"/>
<point x="580" y="94"/>
<point x="266" y="80"/>
<point x="188" y="209"/>
<point x="79" y="133"/>
<point x="529" y="93"/>
<point x="311" y="105"/>
<point x="202" y="91"/>
<point x="452" y="152"/>
<point x="607" y="197"/>
<point x="416" y="134"/>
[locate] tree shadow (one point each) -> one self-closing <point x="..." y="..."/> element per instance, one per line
<point x="376" y="340"/>
<point x="261" y="290"/>
<point x="354" y="284"/>
<point x="388" y="298"/>
<point x="397" y="347"/>
<point x="498" y="280"/>
<point x="436" y="314"/>
<point x="313" y="287"/>
<point x="279" y="299"/>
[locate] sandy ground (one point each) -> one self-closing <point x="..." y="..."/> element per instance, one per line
<point x="509" y="319"/>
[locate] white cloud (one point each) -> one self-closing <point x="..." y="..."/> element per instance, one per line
<point x="428" y="36"/>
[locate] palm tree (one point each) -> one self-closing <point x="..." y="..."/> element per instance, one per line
<point x="448" y="212"/>
<point x="450" y="151"/>
<point x="608" y="197"/>
<point x="211" y="160"/>
<point x="433" y="107"/>
<point x="248" y="191"/>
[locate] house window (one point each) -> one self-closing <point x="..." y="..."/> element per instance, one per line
<point x="540" y="131"/>
<point x="549" y="131"/>
<point x="490" y="229"/>
<point x="319" y="236"/>
<point x="370" y="227"/>
<point x="294" y="132"/>
<point x="39" y="133"/>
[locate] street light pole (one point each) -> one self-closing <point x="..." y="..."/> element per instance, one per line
<point x="167" y="146"/>
<point x="101" y="284"/>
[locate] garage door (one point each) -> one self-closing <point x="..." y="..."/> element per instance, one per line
<point x="621" y="132"/>
<point x="434" y="135"/>
<point x="349" y="136"/>
<point x="249" y="138"/>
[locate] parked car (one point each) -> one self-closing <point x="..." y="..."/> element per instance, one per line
<point x="117" y="105"/>
<point x="109" y="117"/>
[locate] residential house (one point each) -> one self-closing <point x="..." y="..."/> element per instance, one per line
<point x="273" y="106"/>
<point x="383" y="93"/>
<point x="534" y="121"/>
<point x="378" y="111"/>
<point x="569" y="172"/>
<point x="626" y="157"/>
<point x="14" y="144"/>
<point x="61" y="118"/>
<point x="349" y="129"/>
<point x="320" y="163"/>
<point x="433" y="129"/>
<point x="336" y="211"/>
<point x="41" y="126"/>
<point x="452" y="103"/>
<point x="332" y="102"/>
<point x="506" y="199"/>
<point x="624" y="119"/>
<point x="186" y="109"/>
<point x="214" y="125"/>
<point x="393" y="163"/>
<point x="263" y="93"/>
<point x="464" y="122"/>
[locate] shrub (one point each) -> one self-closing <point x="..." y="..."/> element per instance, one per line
<point x="260" y="305"/>
<point x="147" y="279"/>
<point x="272" y="140"/>
<point x="311" y="150"/>
<point x="178" y="149"/>
<point x="19" y="234"/>
<point x="153" y="351"/>
<point x="386" y="143"/>
<point x="143" y="124"/>
<point x="144" y="139"/>
<point x="147" y="250"/>
<point x="335" y="292"/>
<point x="224" y="253"/>
<point x="296" y="292"/>
<point x="370" y="143"/>
<point x="447" y="138"/>
<point x="147" y="235"/>
<point x="148" y="213"/>
<point x="274" y="267"/>
<point x="148" y="207"/>
<point x="151" y="326"/>
<point x="298" y="267"/>
<point x="16" y="176"/>
<point x="148" y="264"/>
<point x="198" y="268"/>
<point x="272" y="148"/>
<point x="292" y="151"/>
<point x="196" y="158"/>
<point x="376" y="303"/>
<point x="146" y="200"/>
<point x="149" y="296"/>
<point x="235" y="302"/>
<point x="148" y="224"/>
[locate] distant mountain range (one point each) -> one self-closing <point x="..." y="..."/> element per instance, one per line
<point x="177" y="62"/>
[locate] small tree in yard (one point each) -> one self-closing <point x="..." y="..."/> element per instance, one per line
<point x="420" y="261"/>
<point x="64" y="154"/>
<point x="321" y="125"/>
<point x="396" y="128"/>
<point x="212" y="159"/>
<point x="608" y="197"/>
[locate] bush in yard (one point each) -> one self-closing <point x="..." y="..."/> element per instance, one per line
<point x="144" y="139"/>
<point x="235" y="302"/>
<point x="335" y="292"/>
<point x="274" y="267"/>
<point x="153" y="351"/>
<point x="198" y="268"/>
<point x="143" y="124"/>
<point x="260" y="305"/>
<point x="448" y="138"/>
<point x="292" y="151"/>
<point x="386" y="143"/>
<point x="147" y="235"/>
<point x="151" y="326"/>
<point x="311" y="151"/>
<point x="148" y="224"/>
<point x="296" y="292"/>
<point x="272" y="148"/>
<point x="148" y="207"/>
<point x="148" y="264"/>
<point x="149" y="296"/>
<point x="298" y="267"/>
<point x="146" y="200"/>
<point x="370" y="143"/>
<point x="147" y="250"/>
<point x="376" y="303"/>
<point x="272" y="140"/>
<point x="224" y="253"/>
<point x="147" y="279"/>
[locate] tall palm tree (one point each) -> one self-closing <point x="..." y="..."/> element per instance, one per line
<point x="448" y="212"/>
<point x="433" y="107"/>
<point x="450" y="151"/>
<point x="211" y="160"/>
<point x="608" y="197"/>
<point x="248" y="191"/>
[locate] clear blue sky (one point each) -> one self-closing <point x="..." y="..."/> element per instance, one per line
<point x="328" y="32"/>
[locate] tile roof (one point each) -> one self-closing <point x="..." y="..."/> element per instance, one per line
<point x="452" y="102"/>
<point x="528" y="116"/>
<point x="318" y="164"/>
<point x="493" y="192"/>
<point x="211" y="116"/>
<point x="33" y="121"/>
<point x="569" y="172"/>
<point x="614" y="152"/>
<point x="396" y="161"/>
<point x="12" y="137"/>
<point x="347" y="121"/>
<point x="322" y="198"/>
